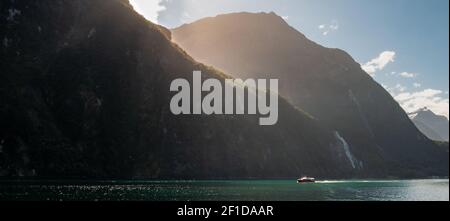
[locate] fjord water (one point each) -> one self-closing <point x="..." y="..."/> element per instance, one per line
<point x="230" y="190"/>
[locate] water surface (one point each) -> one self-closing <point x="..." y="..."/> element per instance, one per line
<point x="230" y="190"/>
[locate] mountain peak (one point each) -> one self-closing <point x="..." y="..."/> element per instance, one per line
<point x="247" y="20"/>
<point x="423" y="110"/>
<point x="263" y="17"/>
<point x="425" y="113"/>
<point x="244" y="13"/>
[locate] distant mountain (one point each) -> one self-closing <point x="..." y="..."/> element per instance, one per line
<point x="84" y="91"/>
<point x="433" y="126"/>
<point x="427" y="131"/>
<point x="325" y="82"/>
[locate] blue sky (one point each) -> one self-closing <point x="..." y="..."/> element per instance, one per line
<point x="403" y="44"/>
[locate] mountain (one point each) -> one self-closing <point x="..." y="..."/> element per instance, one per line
<point x="327" y="83"/>
<point x="84" y="92"/>
<point x="433" y="126"/>
<point x="427" y="131"/>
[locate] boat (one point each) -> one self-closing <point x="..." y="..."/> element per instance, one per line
<point x="306" y="180"/>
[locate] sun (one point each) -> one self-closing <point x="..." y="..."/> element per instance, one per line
<point x="150" y="9"/>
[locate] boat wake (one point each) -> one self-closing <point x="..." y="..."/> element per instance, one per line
<point x="357" y="181"/>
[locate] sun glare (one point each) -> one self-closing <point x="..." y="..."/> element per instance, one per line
<point x="148" y="8"/>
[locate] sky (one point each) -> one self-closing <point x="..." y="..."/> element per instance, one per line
<point x="402" y="44"/>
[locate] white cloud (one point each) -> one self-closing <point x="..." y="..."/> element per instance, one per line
<point x="400" y="88"/>
<point x="334" y="26"/>
<point x="413" y="101"/>
<point x="328" y="28"/>
<point x="379" y="63"/>
<point x="417" y="85"/>
<point x="150" y="9"/>
<point x="408" y="75"/>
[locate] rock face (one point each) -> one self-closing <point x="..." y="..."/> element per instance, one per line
<point x="433" y="126"/>
<point x="84" y="90"/>
<point x="327" y="83"/>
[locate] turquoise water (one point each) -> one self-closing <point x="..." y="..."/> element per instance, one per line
<point x="233" y="190"/>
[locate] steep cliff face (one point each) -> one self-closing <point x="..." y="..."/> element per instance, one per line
<point x="327" y="83"/>
<point x="84" y="90"/>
